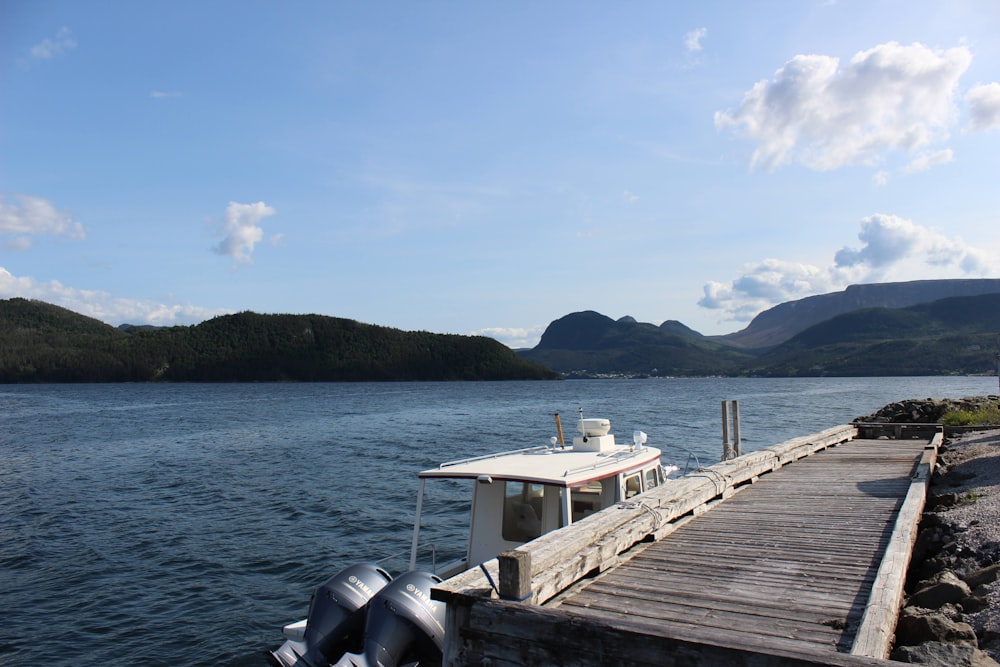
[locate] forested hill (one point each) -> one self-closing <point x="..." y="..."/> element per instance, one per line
<point x="957" y="335"/>
<point x="40" y="342"/>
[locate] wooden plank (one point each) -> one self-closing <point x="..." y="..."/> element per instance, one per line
<point x="508" y="634"/>
<point x="776" y="606"/>
<point x="809" y="605"/>
<point x="874" y="637"/>
<point x="731" y="623"/>
<point x="781" y="576"/>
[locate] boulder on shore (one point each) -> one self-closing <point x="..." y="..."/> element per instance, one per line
<point x="926" y="411"/>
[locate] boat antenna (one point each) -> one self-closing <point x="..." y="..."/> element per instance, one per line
<point x="562" y="441"/>
<point x="582" y="429"/>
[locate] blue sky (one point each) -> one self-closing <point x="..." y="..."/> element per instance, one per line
<point x="486" y="168"/>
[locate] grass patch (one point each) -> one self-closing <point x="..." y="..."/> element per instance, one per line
<point x="988" y="415"/>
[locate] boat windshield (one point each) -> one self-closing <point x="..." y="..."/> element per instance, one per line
<point x="522" y="511"/>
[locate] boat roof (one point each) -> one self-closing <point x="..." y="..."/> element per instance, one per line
<point x="548" y="465"/>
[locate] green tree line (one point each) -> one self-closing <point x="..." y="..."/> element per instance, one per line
<point x="40" y="342"/>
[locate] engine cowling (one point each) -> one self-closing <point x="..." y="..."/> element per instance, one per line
<point x="403" y="625"/>
<point x="336" y="621"/>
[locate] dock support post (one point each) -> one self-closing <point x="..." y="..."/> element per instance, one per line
<point x="731" y="439"/>
<point x="737" y="438"/>
<point x="515" y="575"/>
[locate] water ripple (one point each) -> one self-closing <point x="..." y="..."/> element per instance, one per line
<point x="185" y="524"/>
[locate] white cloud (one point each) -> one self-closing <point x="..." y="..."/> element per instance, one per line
<point x="513" y="337"/>
<point x="48" y="49"/>
<point x="101" y="305"/>
<point x="242" y="230"/>
<point x="824" y="116"/>
<point x="34" y="216"/>
<point x="984" y="106"/>
<point x="888" y="240"/>
<point x="629" y="198"/>
<point x="692" y="40"/>
<point x="881" y="178"/>
<point x="160" y="94"/>
<point x="892" y="248"/>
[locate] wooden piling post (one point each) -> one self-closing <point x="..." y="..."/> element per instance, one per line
<point x="737" y="439"/>
<point x="515" y="575"/>
<point x="731" y="447"/>
<point x="727" y="452"/>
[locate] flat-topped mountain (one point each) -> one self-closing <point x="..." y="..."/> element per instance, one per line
<point x="778" y="324"/>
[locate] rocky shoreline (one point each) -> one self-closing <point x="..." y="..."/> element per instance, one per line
<point x="951" y="614"/>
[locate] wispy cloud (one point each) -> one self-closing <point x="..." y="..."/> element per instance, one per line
<point x="102" y="305"/>
<point x="49" y="48"/>
<point x="242" y="230"/>
<point x="162" y="94"/>
<point x="984" y="107"/>
<point x="31" y="217"/>
<point x="692" y="40"/>
<point x="925" y="161"/>
<point x="890" y="247"/>
<point x="814" y="112"/>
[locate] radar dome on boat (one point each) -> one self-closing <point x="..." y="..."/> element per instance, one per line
<point x="594" y="427"/>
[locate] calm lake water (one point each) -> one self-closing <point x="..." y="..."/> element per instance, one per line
<point x="185" y="524"/>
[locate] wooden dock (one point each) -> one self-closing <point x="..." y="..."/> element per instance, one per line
<point x="801" y="561"/>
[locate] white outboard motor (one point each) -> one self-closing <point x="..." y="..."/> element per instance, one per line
<point x="336" y="618"/>
<point x="403" y="625"/>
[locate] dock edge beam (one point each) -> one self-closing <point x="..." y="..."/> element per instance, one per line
<point x="878" y="623"/>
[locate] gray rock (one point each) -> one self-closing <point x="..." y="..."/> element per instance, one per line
<point x="974" y="603"/>
<point x="943" y="655"/>
<point x="948" y="589"/>
<point x="983" y="576"/>
<point x="938" y="500"/>
<point x="940" y="654"/>
<point x="917" y="626"/>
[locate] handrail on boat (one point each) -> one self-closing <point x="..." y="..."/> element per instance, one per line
<point x="486" y="457"/>
<point x="613" y="457"/>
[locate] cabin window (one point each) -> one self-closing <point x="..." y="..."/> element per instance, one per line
<point x="586" y="499"/>
<point x="522" y="511"/>
<point x="652" y="478"/>
<point x="633" y="485"/>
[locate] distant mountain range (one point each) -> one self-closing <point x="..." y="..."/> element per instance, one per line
<point x="928" y="327"/>
<point x="922" y="327"/>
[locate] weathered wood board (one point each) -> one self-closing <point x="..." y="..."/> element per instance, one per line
<point x="794" y="558"/>
<point x="803" y="568"/>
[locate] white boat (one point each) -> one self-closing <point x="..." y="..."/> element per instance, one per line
<point x="362" y="617"/>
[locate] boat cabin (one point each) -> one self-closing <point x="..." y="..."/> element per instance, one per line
<point x="520" y="495"/>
